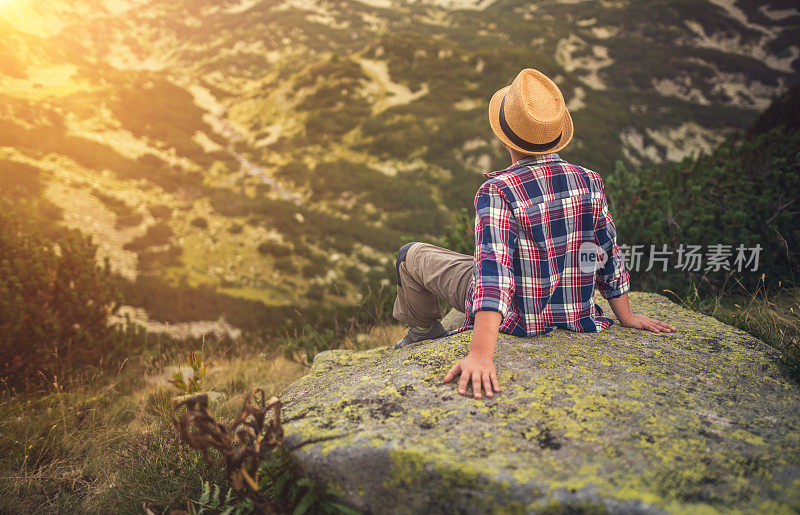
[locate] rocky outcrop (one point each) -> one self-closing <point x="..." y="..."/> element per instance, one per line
<point x="622" y="421"/>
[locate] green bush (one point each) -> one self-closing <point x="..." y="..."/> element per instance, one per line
<point x="19" y="179"/>
<point x="129" y="220"/>
<point x="354" y="274"/>
<point x="286" y="265"/>
<point x="157" y="234"/>
<point x="275" y="248"/>
<point x="460" y="235"/>
<point x="154" y="260"/>
<point x="200" y="222"/>
<point x="153" y="107"/>
<point x="126" y="215"/>
<point x="276" y="213"/>
<point x="161" y="211"/>
<point x="745" y="192"/>
<point x="154" y="169"/>
<point x="335" y="105"/>
<point x="54" y="302"/>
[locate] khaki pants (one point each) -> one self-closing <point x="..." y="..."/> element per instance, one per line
<point x="424" y="273"/>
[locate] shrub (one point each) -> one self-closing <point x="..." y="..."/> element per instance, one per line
<point x="19" y="179"/>
<point x="354" y="274"/>
<point x="311" y="270"/>
<point x="126" y="215"/>
<point x="129" y="220"/>
<point x="200" y="222"/>
<point x="275" y="248"/>
<point x="161" y="211"/>
<point x="54" y="302"/>
<point x="159" y="172"/>
<point x="155" y="260"/>
<point x="156" y="235"/>
<point x="460" y="235"/>
<point x="745" y="192"/>
<point x="286" y="265"/>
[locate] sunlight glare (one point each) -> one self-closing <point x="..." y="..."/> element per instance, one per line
<point x="36" y="17"/>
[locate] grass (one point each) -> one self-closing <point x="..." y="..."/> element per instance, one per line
<point x="108" y="445"/>
<point x="770" y="314"/>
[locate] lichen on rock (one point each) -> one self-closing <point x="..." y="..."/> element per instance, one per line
<point x="623" y="421"/>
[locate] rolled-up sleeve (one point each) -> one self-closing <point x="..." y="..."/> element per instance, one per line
<point x="613" y="279"/>
<point x="496" y="233"/>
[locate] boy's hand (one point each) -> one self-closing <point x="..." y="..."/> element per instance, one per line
<point x="622" y="309"/>
<point x="478" y="369"/>
<point x="643" y="322"/>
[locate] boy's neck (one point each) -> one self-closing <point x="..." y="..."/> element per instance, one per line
<point x="518" y="156"/>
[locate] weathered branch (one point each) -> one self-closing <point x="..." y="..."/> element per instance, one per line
<point x="244" y="442"/>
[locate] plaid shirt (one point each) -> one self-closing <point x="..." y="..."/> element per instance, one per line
<point x="530" y="221"/>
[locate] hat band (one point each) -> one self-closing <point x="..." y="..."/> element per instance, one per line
<point x="521" y="143"/>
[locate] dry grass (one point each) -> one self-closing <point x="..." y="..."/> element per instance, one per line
<point x="772" y="315"/>
<point x="108" y="448"/>
<point x="108" y="445"/>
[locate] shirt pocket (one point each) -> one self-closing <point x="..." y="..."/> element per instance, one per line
<point x="553" y="225"/>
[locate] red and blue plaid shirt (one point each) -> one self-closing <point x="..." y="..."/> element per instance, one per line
<point x="530" y="222"/>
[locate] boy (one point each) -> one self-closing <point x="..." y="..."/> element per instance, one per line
<point x="543" y="239"/>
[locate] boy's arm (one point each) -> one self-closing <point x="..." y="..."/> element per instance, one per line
<point x="478" y="366"/>
<point x="495" y="242"/>
<point x="613" y="279"/>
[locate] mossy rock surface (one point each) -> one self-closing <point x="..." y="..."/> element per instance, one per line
<point x="624" y="421"/>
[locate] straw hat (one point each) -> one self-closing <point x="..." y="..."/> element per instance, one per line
<point x="530" y="115"/>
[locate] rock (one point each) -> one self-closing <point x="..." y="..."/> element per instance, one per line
<point x="624" y="420"/>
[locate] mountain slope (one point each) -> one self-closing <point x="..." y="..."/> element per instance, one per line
<point x="280" y="151"/>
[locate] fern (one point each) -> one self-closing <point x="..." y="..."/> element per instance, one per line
<point x="210" y="501"/>
<point x="282" y="481"/>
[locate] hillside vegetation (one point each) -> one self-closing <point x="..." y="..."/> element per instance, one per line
<point x="260" y="157"/>
<point x="199" y="196"/>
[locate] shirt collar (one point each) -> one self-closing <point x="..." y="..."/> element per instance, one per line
<point x="533" y="160"/>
